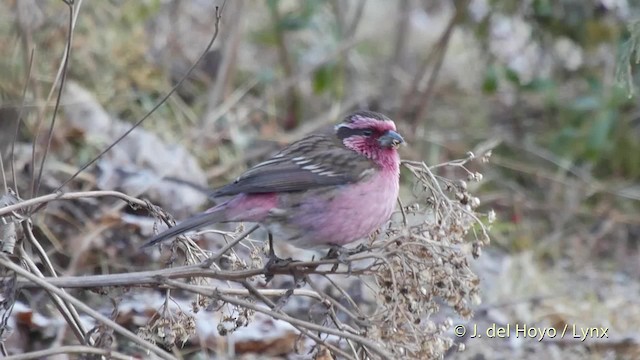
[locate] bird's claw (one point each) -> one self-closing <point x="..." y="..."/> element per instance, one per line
<point x="274" y="264"/>
<point x="342" y="255"/>
<point x="360" y="248"/>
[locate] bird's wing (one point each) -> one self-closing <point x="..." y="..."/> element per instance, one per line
<point x="317" y="160"/>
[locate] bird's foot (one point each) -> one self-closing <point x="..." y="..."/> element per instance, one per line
<point x="342" y="255"/>
<point x="277" y="262"/>
<point x="274" y="264"/>
<point x="274" y="260"/>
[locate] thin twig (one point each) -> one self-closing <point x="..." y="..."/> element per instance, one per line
<point x="6" y="262"/>
<point x="293" y="96"/>
<point x="64" y="308"/>
<point x="73" y="18"/>
<point x="301" y="325"/>
<point x="276" y="308"/>
<point x="72" y="196"/>
<point x="217" y="92"/>
<point x="67" y="310"/>
<point x="355" y="21"/>
<point x="160" y="103"/>
<point x="71" y="349"/>
<point x="150" y="277"/>
<point x="438" y="54"/>
<point x="208" y="262"/>
<point x="399" y="41"/>
<point x="308" y="325"/>
<point x="19" y="122"/>
<point x="4" y="176"/>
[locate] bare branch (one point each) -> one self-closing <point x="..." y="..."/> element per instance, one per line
<point x="62" y="74"/>
<point x="72" y="349"/>
<point x="6" y="262"/>
<point x="160" y="103"/>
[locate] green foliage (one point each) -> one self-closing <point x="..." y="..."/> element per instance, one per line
<point x="490" y="81"/>
<point x="579" y="20"/>
<point x="329" y="79"/>
<point x="495" y="75"/>
<point x="584" y="118"/>
<point x="596" y="128"/>
<point x="628" y="56"/>
<point x="310" y="16"/>
<point x="297" y="19"/>
<point x="136" y="12"/>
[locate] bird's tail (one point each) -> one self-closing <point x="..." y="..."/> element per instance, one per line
<point x="212" y="216"/>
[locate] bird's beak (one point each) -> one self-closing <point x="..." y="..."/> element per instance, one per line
<point x="390" y="139"/>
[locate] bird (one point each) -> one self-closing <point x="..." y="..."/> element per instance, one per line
<point x="323" y="191"/>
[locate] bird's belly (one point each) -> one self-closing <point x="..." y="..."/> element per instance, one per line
<point x="337" y="216"/>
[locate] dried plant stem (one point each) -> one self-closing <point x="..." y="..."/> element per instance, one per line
<point x="276" y="308"/>
<point x="67" y="310"/>
<point x="62" y="75"/>
<point x="216" y="93"/>
<point x="162" y="101"/>
<point x="7" y="263"/>
<point x="207" y="263"/>
<point x="72" y="349"/>
<point x="19" y="122"/>
<point x="350" y="328"/>
<point x="72" y="196"/>
<point x="400" y="41"/>
<point x="437" y="54"/>
<point x="153" y="277"/>
<point x="293" y="96"/>
<point x="284" y="317"/>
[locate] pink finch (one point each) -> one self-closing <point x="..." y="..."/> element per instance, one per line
<point x="321" y="191"/>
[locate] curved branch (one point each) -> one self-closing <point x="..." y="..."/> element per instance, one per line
<point x="71" y="196"/>
<point x="43" y="283"/>
<point x="72" y="349"/>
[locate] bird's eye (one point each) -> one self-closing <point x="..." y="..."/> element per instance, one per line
<point x="367" y="132"/>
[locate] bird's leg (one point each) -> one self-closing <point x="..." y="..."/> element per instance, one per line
<point x="335" y="251"/>
<point x="359" y="249"/>
<point x="272" y="252"/>
<point x="341" y="254"/>
<point x="274" y="260"/>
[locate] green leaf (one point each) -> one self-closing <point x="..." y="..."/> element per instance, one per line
<point x="273" y="4"/>
<point x="322" y="79"/>
<point x="586" y="103"/>
<point x="512" y="76"/>
<point x="564" y="140"/>
<point x="293" y="22"/>
<point x="599" y="132"/>
<point x="490" y="81"/>
<point x="539" y="85"/>
<point x="542" y="8"/>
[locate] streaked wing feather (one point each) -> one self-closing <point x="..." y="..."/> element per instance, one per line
<point x="317" y="160"/>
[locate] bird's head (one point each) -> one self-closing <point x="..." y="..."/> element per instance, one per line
<point x="372" y="135"/>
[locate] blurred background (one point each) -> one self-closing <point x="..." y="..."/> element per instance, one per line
<point x="550" y="85"/>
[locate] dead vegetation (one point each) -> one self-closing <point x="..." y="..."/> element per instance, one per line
<point x="111" y="110"/>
